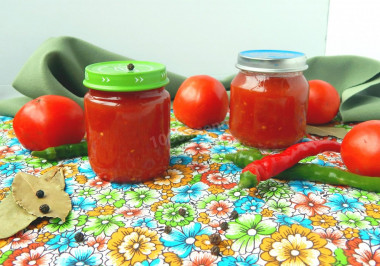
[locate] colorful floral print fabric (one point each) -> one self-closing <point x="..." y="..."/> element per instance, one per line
<point x="169" y="220"/>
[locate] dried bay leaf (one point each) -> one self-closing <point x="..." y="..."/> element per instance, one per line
<point x="55" y="177"/>
<point x="13" y="217"/>
<point x="52" y="183"/>
<point x="323" y="131"/>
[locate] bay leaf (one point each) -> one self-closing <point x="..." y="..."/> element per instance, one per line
<point x="324" y="131"/>
<point x="24" y="189"/>
<point x="55" y="177"/>
<point x="13" y="217"/>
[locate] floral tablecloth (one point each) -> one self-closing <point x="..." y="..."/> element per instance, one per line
<point x="296" y="223"/>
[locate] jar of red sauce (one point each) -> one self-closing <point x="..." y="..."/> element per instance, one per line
<point x="268" y="101"/>
<point x="127" y="112"/>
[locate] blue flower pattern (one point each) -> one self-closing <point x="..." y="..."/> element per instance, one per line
<point x="187" y="193"/>
<point x="80" y="256"/>
<point x="304" y="186"/>
<point x="229" y="168"/>
<point x="296" y="219"/>
<point x="249" y="205"/>
<point x="63" y="241"/>
<point x="223" y="149"/>
<point x="344" y="203"/>
<point x="145" y="222"/>
<point x="182" y="240"/>
<point x="239" y="261"/>
<point x="180" y="159"/>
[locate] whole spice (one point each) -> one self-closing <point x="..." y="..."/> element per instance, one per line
<point x="215" y="239"/>
<point x="130" y="66"/>
<point x="168" y="229"/>
<point x="244" y="157"/>
<point x="224" y="226"/>
<point x="80" y="149"/>
<point x="44" y="208"/>
<point x="40" y="193"/>
<point x="215" y="250"/>
<point x="234" y="214"/>
<point x="79" y="237"/>
<point x="271" y="165"/>
<point x="182" y="212"/>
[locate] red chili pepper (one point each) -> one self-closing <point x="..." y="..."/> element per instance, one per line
<point x="272" y="165"/>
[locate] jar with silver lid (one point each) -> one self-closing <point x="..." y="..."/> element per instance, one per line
<point x="269" y="96"/>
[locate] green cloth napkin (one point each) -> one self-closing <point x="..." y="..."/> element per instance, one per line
<point x="57" y="67"/>
<point x="357" y="79"/>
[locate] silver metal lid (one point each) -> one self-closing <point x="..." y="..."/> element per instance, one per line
<point x="271" y="61"/>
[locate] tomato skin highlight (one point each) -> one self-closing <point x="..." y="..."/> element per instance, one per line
<point x="361" y="149"/>
<point x="323" y="104"/>
<point x="201" y="101"/>
<point x="49" y="121"/>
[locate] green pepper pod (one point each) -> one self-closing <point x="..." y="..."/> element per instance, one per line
<point x="248" y="180"/>
<point x="318" y="173"/>
<point x="244" y="157"/>
<point x="80" y="149"/>
<point x="180" y="139"/>
<point x="330" y="175"/>
<point x="63" y="151"/>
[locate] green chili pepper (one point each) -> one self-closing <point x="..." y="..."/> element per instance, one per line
<point x="330" y="175"/>
<point x="318" y="173"/>
<point x="63" y="151"/>
<point x="244" y="157"/>
<point x="180" y="139"/>
<point x="80" y="149"/>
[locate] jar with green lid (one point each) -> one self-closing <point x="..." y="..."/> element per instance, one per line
<point x="127" y="112"/>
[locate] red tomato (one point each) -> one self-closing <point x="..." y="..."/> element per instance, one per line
<point x="201" y="101"/>
<point x="49" y="121"/>
<point x="360" y="149"/>
<point x="324" y="102"/>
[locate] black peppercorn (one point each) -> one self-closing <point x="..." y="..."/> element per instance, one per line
<point x="40" y="194"/>
<point x="79" y="237"/>
<point x="182" y="212"/>
<point x="234" y="215"/>
<point x="215" y="239"/>
<point x="167" y="229"/>
<point x="224" y="226"/>
<point x="215" y="250"/>
<point x="131" y="66"/>
<point x="44" y="208"/>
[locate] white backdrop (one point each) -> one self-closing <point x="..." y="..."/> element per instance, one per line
<point x="189" y="37"/>
<point x="354" y="28"/>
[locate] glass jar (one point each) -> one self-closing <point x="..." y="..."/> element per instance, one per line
<point x="269" y="96"/>
<point x="127" y="112"/>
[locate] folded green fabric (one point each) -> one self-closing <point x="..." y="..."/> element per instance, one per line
<point x="57" y="67"/>
<point x="357" y="79"/>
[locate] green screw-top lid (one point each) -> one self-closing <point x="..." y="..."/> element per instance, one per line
<point x="125" y="76"/>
